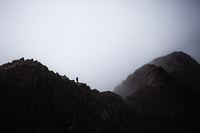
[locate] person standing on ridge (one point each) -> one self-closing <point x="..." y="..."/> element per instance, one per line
<point x="76" y="79"/>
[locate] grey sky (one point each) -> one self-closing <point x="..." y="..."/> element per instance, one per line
<point x="100" y="41"/>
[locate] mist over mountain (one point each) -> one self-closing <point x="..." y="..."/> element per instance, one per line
<point x="160" y="97"/>
<point x="165" y="94"/>
<point x="94" y="38"/>
<point x="177" y="65"/>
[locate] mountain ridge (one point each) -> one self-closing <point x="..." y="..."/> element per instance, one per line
<point x="35" y="99"/>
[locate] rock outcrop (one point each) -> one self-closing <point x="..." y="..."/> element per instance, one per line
<point x="34" y="99"/>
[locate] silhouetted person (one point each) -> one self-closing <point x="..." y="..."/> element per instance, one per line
<point x="77" y="79"/>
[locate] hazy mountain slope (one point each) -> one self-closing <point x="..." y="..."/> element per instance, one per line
<point x="162" y="102"/>
<point x="142" y="77"/>
<point x="182" y="67"/>
<point x="178" y="65"/>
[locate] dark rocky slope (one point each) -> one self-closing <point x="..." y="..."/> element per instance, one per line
<point x="34" y="99"/>
<point x="162" y="101"/>
<point x="165" y="106"/>
<point x="142" y="77"/>
<point x="182" y="67"/>
<point x="155" y="100"/>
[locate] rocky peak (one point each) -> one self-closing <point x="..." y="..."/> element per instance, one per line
<point x="182" y="67"/>
<point x="144" y="76"/>
<point x="177" y="66"/>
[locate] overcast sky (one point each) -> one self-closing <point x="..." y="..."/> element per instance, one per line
<point x="100" y="41"/>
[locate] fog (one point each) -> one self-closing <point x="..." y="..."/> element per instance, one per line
<point x="102" y="41"/>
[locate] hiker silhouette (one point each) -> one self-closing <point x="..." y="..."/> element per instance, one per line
<point x="77" y="79"/>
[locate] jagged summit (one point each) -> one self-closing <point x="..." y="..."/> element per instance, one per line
<point x="20" y="63"/>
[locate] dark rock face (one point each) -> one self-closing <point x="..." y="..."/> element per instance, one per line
<point x="162" y="99"/>
<point x="177" y="65"/>
<point x="165" y="107"/>
<point x="34" y="99"/>
<point x="144" y="76"/>
<point x="182" y="68"/>
<point x="156" y="99"/>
